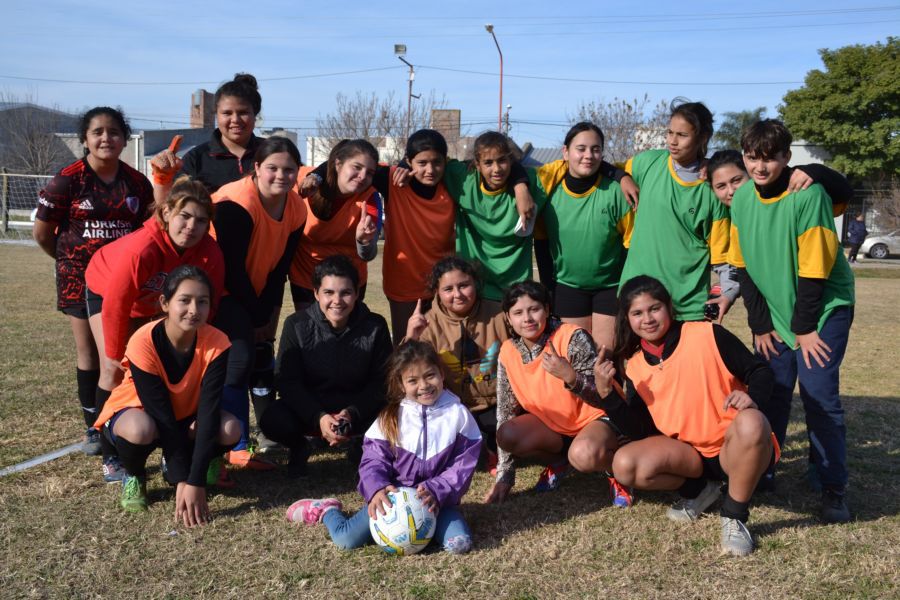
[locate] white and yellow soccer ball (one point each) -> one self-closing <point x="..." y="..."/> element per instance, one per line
<point x="407" y="527"/>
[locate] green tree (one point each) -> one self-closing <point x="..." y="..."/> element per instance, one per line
<point x="728" y="134"/>
<point x="852" y="109"/>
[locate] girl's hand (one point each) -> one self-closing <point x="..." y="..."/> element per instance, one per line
<point x="524" y="202"/>
<point x="423" y="494"/>
<point x="498" y="493"/>
<point x="604" y="372"/>
<point x="631" y="191"/>
<point x="327" y="425"/>
<point x="765" y="343"/>
<point x="380" y="502"/>
<point x="366" y="229"/>
<point x="724" y="306"/>
<point x="166" y="164"/>
<point x="190" y="505"/>
<point x="417" y="323"/>
<point x="799" y="181"/>
<point x="402" y="176"/>
<point x="812" y="345"/>
<point x="739" y="401"/>
<point x="557" y="366"/>
<point x="309" y="185"/>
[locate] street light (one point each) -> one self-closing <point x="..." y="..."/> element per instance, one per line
<point x="490" y="29"/>
<point x="400" y="50"/>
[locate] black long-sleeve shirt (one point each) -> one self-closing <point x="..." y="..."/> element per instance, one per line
<point x="154" y="396"/>
<point x="234" y="227"/>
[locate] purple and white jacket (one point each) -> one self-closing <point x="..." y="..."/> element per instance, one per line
<point x="439" y="446"/>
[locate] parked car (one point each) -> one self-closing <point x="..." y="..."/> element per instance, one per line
<point x="881" y="246"/>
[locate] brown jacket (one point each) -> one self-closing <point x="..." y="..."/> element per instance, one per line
<point x="469" y="348"/>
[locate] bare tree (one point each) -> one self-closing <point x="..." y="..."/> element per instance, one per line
<point x="28" y="140"/>
<point x="886" y="202"/>
<point x="629" y="126"/>
<point x="380" y="120"/>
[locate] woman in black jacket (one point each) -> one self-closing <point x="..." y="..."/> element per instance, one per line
<point x="330" y="373"/>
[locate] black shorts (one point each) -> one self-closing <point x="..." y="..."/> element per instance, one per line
<point x="572" y="302"/>
<point x="712" y="468"/>
<point x="302" y="295"/>
<point x="621" y="439"/>
<point x="93" y="302"/>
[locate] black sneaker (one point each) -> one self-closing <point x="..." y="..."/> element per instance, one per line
<point x="834" y="508"/>
<point x="297" y="462"/>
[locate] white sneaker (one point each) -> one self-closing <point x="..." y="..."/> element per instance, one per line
<point x="736" y="538"/>
<point x="686" y="510"/>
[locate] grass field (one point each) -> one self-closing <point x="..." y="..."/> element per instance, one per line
<point x="63" y="534"/>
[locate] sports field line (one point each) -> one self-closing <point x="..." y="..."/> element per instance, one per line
<point x="39" y="460"/>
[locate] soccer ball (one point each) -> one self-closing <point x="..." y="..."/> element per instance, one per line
<point x="407" y="527"/>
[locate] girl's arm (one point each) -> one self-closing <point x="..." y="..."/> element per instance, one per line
<point x="836" y="185"/>
<point x="209" y="419"/>
<point x="124" y="283"/>
<point x="582" y="354"/>
<point x="743" y="364"/>
<point x="450" y="485"/>
<point x="376" y="469"/>
<point x="44" y="234"/>
<point x="368" y="402"/>
<point x="53" y="206"/>
<point x="629" y="413"/>
<point x="289" y="380"/>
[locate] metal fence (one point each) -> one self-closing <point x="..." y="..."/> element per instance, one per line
<point x="18" y="198"/>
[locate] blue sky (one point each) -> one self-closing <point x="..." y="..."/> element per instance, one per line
<point x="617" y="49"/>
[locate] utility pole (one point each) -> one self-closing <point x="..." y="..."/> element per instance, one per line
<point x="506" y="127"/>
<point x="400" y="51"/>
<point x="490" y="29"/>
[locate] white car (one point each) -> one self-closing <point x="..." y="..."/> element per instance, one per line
<point x="881" y="246"/>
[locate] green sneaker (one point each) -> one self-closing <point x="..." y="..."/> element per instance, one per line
<point x="217" y="474"/>
<point x="134" y="494"/>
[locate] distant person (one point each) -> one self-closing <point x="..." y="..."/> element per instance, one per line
<point x="424" y="438"/>
<point x="171" y="397"/>
<point x="799" y="292"/>
<point x="88" y="204"/>
<point x="856" y="235"/>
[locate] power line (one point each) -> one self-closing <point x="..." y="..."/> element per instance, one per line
<point x="289" y="77"/>
<point x="578" y="80"/>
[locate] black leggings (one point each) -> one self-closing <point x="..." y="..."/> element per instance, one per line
<point x="487" y="423"/>
<point x="235" y="322"/>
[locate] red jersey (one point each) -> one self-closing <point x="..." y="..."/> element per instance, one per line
<point x="90" y="213"/>
<point x="129" y="275"/>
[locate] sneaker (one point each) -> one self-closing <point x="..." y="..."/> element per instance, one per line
<point x="217" y="474"/>
<point x="311" y="511"/>
<point x="736" y="538"/>
<point x="265" y="445"/>
<point x="686" y="509"/>
<point x="297" y="461"/>
<point x="91" y="444"/>
<point x="113" y="471"/>
<point x="621" y="496"/>
<point x="247" y="459"/>
<point x="134" y="494"/>
<point x="552" y="476"/>
<point x="834" y="508"/>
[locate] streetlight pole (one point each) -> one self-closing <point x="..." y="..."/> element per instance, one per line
<point x="400" y="50"/>
<point x="490" y="29"/>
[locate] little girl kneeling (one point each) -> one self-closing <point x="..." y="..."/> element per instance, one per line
<point x="420" y="416"/>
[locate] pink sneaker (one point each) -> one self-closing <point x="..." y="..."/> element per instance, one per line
<point x="310" y="510"/>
